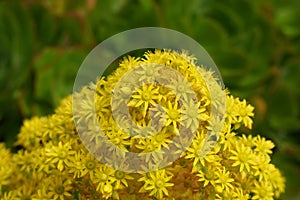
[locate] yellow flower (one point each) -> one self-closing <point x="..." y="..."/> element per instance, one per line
<point x="60" y="155"/>
<point x="242" y="157"/>
<point x="231" y="109"/>
<point x="41" y="194"/>
<point x="6" y="167"/>
<point x="224" y="179"/>
<point x="180" y="87"/>
<point x="121" y="179"/>
<point x="162" y="139"/>
<point x="25" y="160"/>
<point x="129" y="62"/>
<point x="60" y="188"/>
<point x="24" y="192"/>
<point x="164" y="93"/>
<point x="157" y="183"/>
<point x="207" y="175"/>
<point x="75" y="165"/>
<point x="102" y="106"/>
<point x="240" y="194"/>
<point x="197" y="152"/>
<point x="245" y="114"/>
<point x="144" y="97"/>
<point x="8" y="195"/>
<point x="262" y="145"/>
<point x="217" y="163"/>
<point x="227" y="140"/>
<point x="104" y="177"/>
<point x="173" y="116"/>
<point x="192" y="114"/>
<point x="239" y="112"/>
<point x="85" y="110"/>
<point x="119" y="138"/>
<point x="277" y="181"/>
<point x="31" y="133"/>
<point x="262" y="167"/>
<point x="65" y="107"/>
<point x="151" y="147"/>
<point x="89" y="164"/>
<point x="147" y="72"/>
<point x="263" y="191"/>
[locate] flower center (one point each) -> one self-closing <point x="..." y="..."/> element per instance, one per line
<point x="159" y="138"/>
<point x="146" y="96"/>
<point x="125" y="92"/>
<point x="90" y="165"/>
<point x="59" y="189"/>
<point x="163" y="90"/>
<point x="119" y="174"/>
<point x="173" y="114"/>
<point x="243" y="158"/>
<point x="149" y="71"/>
<point x="209" y="175"/>
<point x="223" y="179"/>
<point x="192" y="113"/>
<point x="116" y="140"/>
<point x="107" y="188"/>
<point x="149" y="147"/>
<point x="180" y="88"/>
<point x="103" y="177"/>
<point x="243" y="112"/>
<point x="62" y="155"/>
<point x="159" y="183"/>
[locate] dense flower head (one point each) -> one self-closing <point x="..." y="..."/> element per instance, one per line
<point x="54" y="163"/>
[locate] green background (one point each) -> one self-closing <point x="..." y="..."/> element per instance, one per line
<point x="255" y="44"/>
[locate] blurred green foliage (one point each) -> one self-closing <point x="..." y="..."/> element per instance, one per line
<point x="255" y="44"/>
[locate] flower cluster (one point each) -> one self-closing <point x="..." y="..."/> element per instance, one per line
<point x="56" y="162"/>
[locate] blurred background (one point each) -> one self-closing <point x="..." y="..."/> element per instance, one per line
<point x="255" y="44"/>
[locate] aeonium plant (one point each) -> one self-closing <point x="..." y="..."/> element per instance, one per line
<point x="163" y="124"/>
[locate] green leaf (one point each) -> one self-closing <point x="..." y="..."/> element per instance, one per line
<point x="56" y="70"/>
<point x="287" y="18"/>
